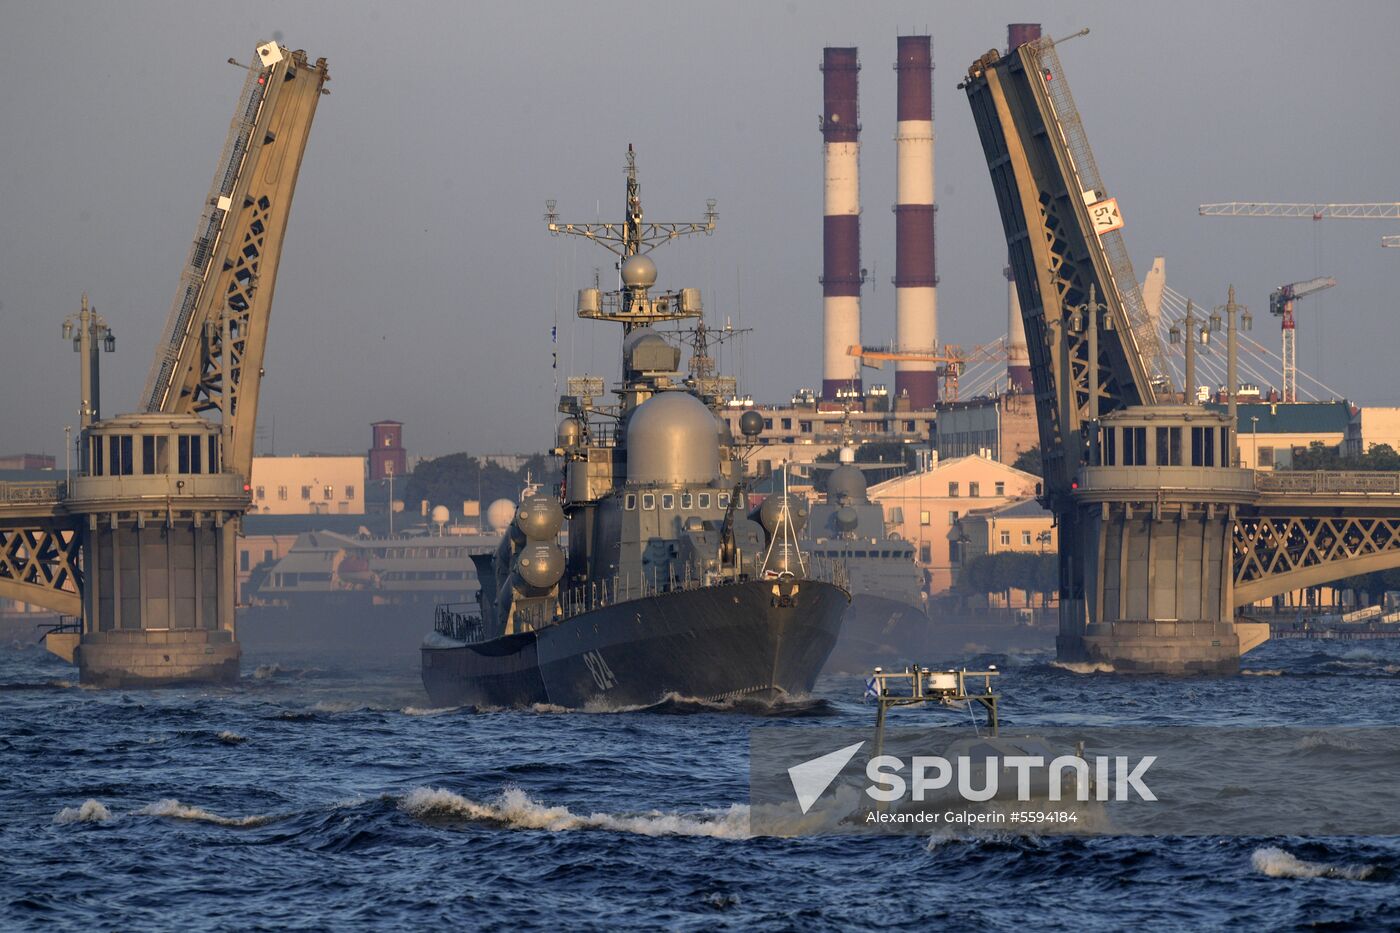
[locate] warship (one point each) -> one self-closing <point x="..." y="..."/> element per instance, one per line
<point x="887" y="621"/>
<point x="668" y="583"/>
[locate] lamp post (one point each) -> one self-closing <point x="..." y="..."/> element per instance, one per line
<point x="389" y="471"/>
<point x="1254" y="432"/>
<point x="88" y="332"/>
<point x="1236" y="314"/>
<point x="1192" y="336"/>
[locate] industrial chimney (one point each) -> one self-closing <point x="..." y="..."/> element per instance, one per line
<point x="1018" y="34"/>
<point x="915" y="279"/>
<point x="1018" y="360"/>
<point x="841" y="272"/>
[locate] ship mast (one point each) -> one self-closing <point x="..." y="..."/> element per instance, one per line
<point x="633" y="306"/>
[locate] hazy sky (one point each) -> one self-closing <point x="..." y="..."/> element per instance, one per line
<point x="418" y="281"/>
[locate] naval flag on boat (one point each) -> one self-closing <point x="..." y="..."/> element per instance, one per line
<point x="871" y="690"/>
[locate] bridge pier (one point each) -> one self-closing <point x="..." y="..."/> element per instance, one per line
<point x="1150" y="541"/>
<point x="157" y="516"/>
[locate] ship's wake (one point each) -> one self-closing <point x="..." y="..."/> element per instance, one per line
<point x="515" y="809"/>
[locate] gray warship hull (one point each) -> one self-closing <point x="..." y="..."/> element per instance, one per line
<point x="709" y="643"/>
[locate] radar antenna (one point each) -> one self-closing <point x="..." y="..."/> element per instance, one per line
<point x="633" y="236"/>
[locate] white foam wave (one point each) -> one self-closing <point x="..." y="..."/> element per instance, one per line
<point x="1263" y="672"/>
<point x="428" y="711"/>
<point x="1280" y="863"/>
<point x="1084" y="667"/>
<point x="516" y="809"/>
<point x="267" y="671"/>
<point x="174" y="809"/>
<point x="231" y="738"/>
<point x="92" y="811"/>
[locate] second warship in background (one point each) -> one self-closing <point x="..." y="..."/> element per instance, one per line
<point x="669" y="585"/>
<point x="887" y="622"/>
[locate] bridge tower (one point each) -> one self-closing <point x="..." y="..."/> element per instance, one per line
<point x="1145" y="493"/>
<point x="157" y="503"/>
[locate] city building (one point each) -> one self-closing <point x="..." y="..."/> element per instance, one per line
<point x="27" y="462"/>
<point x="387" y="454"/>
<point x="1003" y="424"/>
<point x="312" y="485"/>
<point x="1023" y="527"/>
<point x="924" y="507"/>
<point x="1268" y="433"/>
<point x="1374" y="425"/>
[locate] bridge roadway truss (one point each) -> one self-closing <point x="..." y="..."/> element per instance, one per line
<point x="1306" y="529"/>
<point x="39" y="548"/>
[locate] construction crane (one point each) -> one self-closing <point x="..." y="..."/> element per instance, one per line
<point x="1374" y="211"/>
<point x="953" y="359"/>
<point x="1281" y="305"/>
<point x="212" y="355"/>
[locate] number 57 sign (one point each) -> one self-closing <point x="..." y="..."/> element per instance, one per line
<point x="1105" y="217"/>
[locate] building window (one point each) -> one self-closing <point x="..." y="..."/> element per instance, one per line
<point x="349" y="492"/>
<point x="629" y="502"/>
<point x="926" y="552"/>
<point x="909" y="426"/>
<point x="328" y="492"/>
<point x="1006" y="539"/>
<point x="805" y="427"/>
<point x="668" y="501"/>
<point x="260" y="493"/>
<point x="704" y="500"/>
<point x="1203" y="447"/>
<point x="1110" y="447"/>
<point x="687" y="502"/>
<point x="267" y="555"/>
<point x="148" y="454"/>
<point x="282" y="493"/>
<point x="999" y="489"/>
<point x="768" y="424"/>
<point x="1266" y="457"/>
<point x="952" y="490"/>
<point x="306" y="492"/>
<point x="925" y="518"/>
<point x="787" y="424"/>
<point x="974" y="489"/>
<point x="648" y="501"/>
<point x="1026" y="538"/>
<point x="952" y="518"/>
<point x="1135" y="446"/>
<point x="723" y="500"/>
<point x="243" y="561"/>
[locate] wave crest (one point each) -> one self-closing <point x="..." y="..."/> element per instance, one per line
<point x="92" y="811"/>
<point x="174" y="809"/>
<point x="517" y="810"/>
<point x="1280" y="863"/>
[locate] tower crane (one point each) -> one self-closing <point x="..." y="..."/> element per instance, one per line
<point x="1281" y="305"/>
<point x="953" y="357"/>
<point x="1372" y="211"/>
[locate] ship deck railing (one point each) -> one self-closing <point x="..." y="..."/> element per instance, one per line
<point x="458" y="621"/>
<point x="624" y="588"/>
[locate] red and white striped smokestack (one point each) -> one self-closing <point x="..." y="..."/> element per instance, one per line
<point x="1018" y="34"/>
<point x="1018" y="358"/>
<point x="915" y="277"/>
<point x="841" y="275"/>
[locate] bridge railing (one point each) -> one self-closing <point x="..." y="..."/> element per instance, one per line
<point x="1327" y="481"/>
<point x="31" y="492"/>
